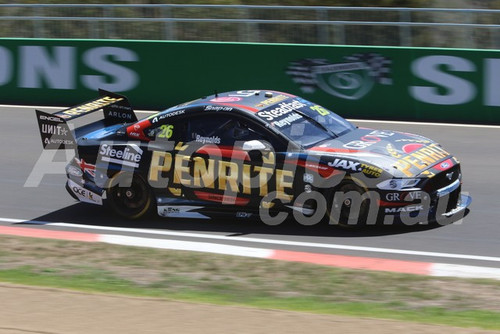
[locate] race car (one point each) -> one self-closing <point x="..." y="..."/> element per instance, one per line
<point x="253" y="153"/>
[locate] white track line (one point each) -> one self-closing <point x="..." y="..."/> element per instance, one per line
<point x="367" y="263"/>
<point x="463" y="271"/>
<point x="261" y="241"/>
<point x="349" y="119"/>
<point x="192" y="246"/>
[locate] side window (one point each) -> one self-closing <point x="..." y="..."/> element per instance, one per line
<point x="226" y="130"/>
<point x="216" y="129"/>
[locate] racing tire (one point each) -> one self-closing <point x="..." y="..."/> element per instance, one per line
<point x="349" y="205"/>
<point x="129" y="196"/>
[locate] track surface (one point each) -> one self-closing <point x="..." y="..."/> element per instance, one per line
<point x="476" y="236"/>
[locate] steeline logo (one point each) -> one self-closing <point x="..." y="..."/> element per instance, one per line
<point x="351" y="79"/>
<point x="127" y="156"/>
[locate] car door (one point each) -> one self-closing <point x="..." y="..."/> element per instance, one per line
<point x="232" y="161"/>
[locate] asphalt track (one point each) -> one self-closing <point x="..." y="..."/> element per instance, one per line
<point x="475" y="240"/>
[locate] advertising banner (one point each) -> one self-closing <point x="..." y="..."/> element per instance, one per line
<point x="429" y="84"/>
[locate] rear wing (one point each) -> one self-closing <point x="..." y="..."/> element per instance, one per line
<point x="54" y="129"/>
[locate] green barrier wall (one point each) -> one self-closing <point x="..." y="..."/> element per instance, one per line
<point x="357" y="82"/>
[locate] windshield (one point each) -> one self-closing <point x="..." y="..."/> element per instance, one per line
<point x="304" y="122"/>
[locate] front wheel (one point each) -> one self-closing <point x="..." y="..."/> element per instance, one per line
<point x="130" y="196"/>
<point x="350" y="205"/>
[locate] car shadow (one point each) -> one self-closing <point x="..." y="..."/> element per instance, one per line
<point x="87" y="214"/>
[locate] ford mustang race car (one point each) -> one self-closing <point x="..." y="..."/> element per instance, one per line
<point x="253" y="153"/>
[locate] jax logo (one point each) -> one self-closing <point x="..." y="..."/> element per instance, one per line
<point x="351" y="79"/>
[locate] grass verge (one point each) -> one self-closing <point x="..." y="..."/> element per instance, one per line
<point x="259" y="283"/>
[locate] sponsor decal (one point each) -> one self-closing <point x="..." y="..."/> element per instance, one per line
<point x="393" y="197"/>
<point x="83" y="194"/>
<point x="245" y="93"/>
<point x="207" y="140"/>
<point x="369" y="139"/>
<point x="350" y="79"/>
<point x="181" y="211"/>
<point x="407" y="197"/>
<point x="371" y="171"/>
<point x="50" y="118"/>
<point x="171" y="210"/>
<point x="272" y="100"/>
<point x="226" y="99"/>
<point x="127" y="156"/>
<point x="308" y="178"/>
<point x="406" y="209"/>
<point x="54" y="131"/>
<point x="421" y="158"/>
<point x="120" y="115"/>
<point x="354" y="166"/>
<point x="413" y="195"/>
<point x="58" y="142"/>
<point x="241" y="214"/>
<point x="421" y="141"/>
<point x="408" y="148"/>
<point x="345" y="164"/>
<point x="392" y="151"/>
<point x="220" y="175"/>
<point x="137" y="130"/>
<point x="155" y="119"/>
<point x="444" y="165"/>
<point x="51" y="129"/>
<point x="287" y="121"/>
<point x="283" y="109"/>
<point x="218" y="108"/>
<point x="87" y="107"/>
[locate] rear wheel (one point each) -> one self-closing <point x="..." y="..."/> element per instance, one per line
<point x="130" y="196"/>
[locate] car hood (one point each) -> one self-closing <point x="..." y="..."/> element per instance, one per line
<point x="401" y="154"/>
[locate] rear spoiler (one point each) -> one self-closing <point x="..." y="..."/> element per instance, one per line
<point x="54" y="128"/>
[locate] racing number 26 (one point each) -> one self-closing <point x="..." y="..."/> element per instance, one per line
<point x="322" y="111"/>
<point x="166" y="131"/>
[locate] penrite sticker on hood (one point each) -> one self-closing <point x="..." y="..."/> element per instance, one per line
<point x="350" y="79"/>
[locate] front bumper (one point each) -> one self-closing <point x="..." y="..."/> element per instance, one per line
<point x="463" y="204"/>
<point x="440" y="214"/>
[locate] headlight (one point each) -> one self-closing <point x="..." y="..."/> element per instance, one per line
<point x="399" y="184"/>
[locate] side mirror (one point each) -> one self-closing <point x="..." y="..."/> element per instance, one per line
<point x="257" y="150"/>
<point x="254" y="145"/>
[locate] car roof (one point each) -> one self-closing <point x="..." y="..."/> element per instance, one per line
<point x="246" y="101"/>
<point x="250" y="100"/>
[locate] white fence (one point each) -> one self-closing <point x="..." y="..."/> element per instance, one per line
<point x="433" y="27"/>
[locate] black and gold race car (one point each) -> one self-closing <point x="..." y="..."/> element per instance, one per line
<point x="253" y="153"/>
